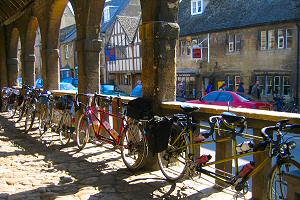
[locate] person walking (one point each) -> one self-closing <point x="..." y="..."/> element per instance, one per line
<point x="241" y="88"/>
<point x="209" y="88"/>
<point x="255" y="90"/>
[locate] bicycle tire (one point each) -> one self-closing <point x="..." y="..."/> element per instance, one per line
<point x="42" y="122"/>
<point x="134" y="148"/>
<point x="171" y="171"/>
<point x="30" y="116"/>
<point x="277" y="168"/>
<point x="64" y="129"/>
<point x="82" y="132"/>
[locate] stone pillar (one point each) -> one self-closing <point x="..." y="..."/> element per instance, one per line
<point x="52" y="71"/>
<point x="260" y="180"/>
<point x="29" y="76"/>
<point x="223" y="150"/>
<point x="3" y="66"/>
<point x="12" y="71"/>
<point x="159" y="60"/>
<point x="89" y="66"/>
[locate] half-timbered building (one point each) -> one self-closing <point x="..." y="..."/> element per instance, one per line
<point x="123" y="53"/>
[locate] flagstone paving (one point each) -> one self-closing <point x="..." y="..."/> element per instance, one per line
<point x="33" y="169"/>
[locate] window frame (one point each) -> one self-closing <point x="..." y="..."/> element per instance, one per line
<point x="271" y="38"/>
<point x="287" y="36"/>
<point x="280" y="37"/>
<point x="198" y="4"/>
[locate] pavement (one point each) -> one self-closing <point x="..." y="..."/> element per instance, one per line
<point x="35" y="169"/>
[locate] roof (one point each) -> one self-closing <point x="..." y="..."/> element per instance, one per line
<point x="117" y="7"/>
<point x="10" y="8"/>
<point x="68" y="34"/>
<point x="130" y="25"/>
<point x="231" y="14"/>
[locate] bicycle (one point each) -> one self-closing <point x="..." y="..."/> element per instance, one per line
<point x="179" y="157"/>
<point x="56" y="114"/>
<point x="292" y="107"/>
<point x="94" y="123"/>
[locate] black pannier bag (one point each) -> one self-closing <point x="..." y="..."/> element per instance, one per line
<point x="64" y="102"/>
<point x="140" y="108"/>
<point x="158" y="132"/>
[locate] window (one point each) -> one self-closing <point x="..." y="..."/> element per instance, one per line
<point x="270" y="83"/>
<point x="289" y="38"/>
<point x="234" y="43"/>
<point x="211" y="97"/>
<point x="67" y="52"/>
<point x="283" y="39"/>
<point x="106" y="14"/>
<point x="224" y="97"/>
<point x="196" y="7"/>
<point x="271" y="39"/>
<point x="185" y="86"/>
<point x="280" y="39"/>
<point x="185" y="48"/>
<point x="233" y="81"/>
<point x="263" y="40"/>
<point x="286" y="86"/>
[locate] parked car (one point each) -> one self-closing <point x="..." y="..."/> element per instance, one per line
<point x="39" y="83"/>
<point x="137" y="91"/>
<point x="73" y="81"/>
<point x="67" y="86"/>
<point x="109" y="89"/>
<point x="237" y="100"/>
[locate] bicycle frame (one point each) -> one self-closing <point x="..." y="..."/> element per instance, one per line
<point x="187" y="132"/>
<point x="91" y="112"/>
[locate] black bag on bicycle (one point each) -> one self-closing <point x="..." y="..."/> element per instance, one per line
<point x="64" y="102"/>
<point x="140" y="108"/>
<point x="158" y="133"/>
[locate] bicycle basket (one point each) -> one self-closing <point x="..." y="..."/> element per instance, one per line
<point x="140" y="108"/>
<point x="158" y="131"/>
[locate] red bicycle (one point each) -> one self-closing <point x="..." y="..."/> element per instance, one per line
<point x="94" y="124"/>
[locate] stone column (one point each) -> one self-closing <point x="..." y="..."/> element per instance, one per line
<point x="12" y="71"/>
<point x="159" y="60"/>
<point x="52" y="71"/>
<point x="29" y="76"/>
<point x="3" y="66"/>
<point x="89" y="67"/>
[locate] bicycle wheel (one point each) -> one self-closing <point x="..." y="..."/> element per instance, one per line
<point x="134" y="148"/>
<point x="82" y="132"/>
<point x="278" y="188"/>
<point x="173" y="161"/>
<point x="30" y="116"/>
<point x="64" y="128"/>
<point x="43" y="122"/>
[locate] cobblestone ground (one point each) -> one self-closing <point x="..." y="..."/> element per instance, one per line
<point x="32" y="169"/>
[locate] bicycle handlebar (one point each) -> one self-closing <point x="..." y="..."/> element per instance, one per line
<point x="279" y="127"/>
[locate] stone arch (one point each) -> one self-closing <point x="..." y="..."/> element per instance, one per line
<point x="13" y="61"/>
<point x="52" y="52"/>
<point x="29" y="57"/>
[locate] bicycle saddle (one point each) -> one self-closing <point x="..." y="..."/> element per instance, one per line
<point x="188" y="109"/>
<point x="232" y="118"/>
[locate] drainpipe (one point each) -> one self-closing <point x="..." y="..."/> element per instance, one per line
<point x="298" y="63"/>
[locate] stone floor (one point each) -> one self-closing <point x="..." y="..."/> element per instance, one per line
<point x="31" y="169"/>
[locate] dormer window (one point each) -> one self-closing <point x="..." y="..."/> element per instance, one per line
<point x="106" y="14"/>
<point x="196" y="7"/>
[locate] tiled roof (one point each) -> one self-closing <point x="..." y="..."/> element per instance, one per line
<point x="118" y="6"/>
<point x="231" y="14"/>
<point x="130" y="25"/>
<point x="68" y="34"/>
